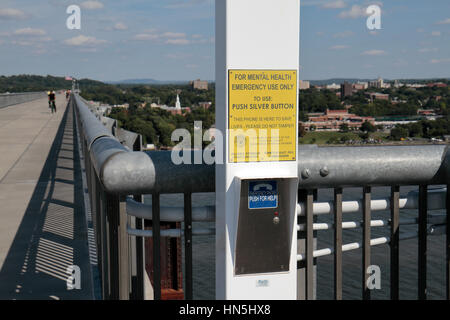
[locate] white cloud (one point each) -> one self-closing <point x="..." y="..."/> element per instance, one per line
<point x="400" y="63"/>
<point x="343" y="34"/>
<point x="179" y="4"/>
<point x="83" y="41"/>
<point x="92" y="5"/>
<point x="426" y="50"/>
<point x="173" y="35"/>
<point x="30" y="38"/>
<point x="338" y="4"/>
<point x="120" y="26"/>
<point x="180" y="41"/>
<point x="178" y="56"/>
<point x="175" y="38"/>
<point x="339" y="47"/>
<point x="435" y="61"/>
<point x="12" y="14"/>
<point x="24" y="43"/>
<point x="40" y="51"/>
<point x="29" y="32"/>
<point x="88" y="50"/>
<point x="446" y="21"/>
<point x="146" y="37"/>
<point x="374" y="53"/>
<point x="355" y="12"/>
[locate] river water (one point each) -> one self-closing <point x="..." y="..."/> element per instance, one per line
<point x="204" y="260"/>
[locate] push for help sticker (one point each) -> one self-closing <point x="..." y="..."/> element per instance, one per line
<point x="262" y="194"/>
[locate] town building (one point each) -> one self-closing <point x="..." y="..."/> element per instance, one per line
<point x="359" y="86"/>
<point x="303" y="84"/>
<point x="199" y="84"/>
<point x="333" y="86"/>
<point x="437" y="84"/>
<point x="378" y="96"/>
<point x="415" y="85"/>
<point x="173" y="110"/>
<point x="379" y="83"/>
<point x="397" y="84"/>
<point x="427" y="112"/>
<point x="346" y="90"/>
<point x="331" y="120"/>
<point x="205" y="105"/>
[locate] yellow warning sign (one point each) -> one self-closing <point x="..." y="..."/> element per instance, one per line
<point x="262" y="115"/>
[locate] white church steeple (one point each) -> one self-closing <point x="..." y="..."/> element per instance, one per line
<point x="178" y="103"/>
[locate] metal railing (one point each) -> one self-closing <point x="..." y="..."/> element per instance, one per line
<point x="115" y="172"/>
<point x="9" y="99"/>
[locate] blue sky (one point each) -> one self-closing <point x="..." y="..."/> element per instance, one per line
<point x="174" y="39"/>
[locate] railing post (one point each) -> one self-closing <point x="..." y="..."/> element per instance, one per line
<point x="447" y="240"/>
<point x="124" y="254"/>
<point x="137" y="282"/>
<point x="423" y="202"/>
<point x="306" y="243"/>
<point x="394" y="243"/>
<point x="188" y="245"/>
<point x="309" y="245"/>
<point x="338" y="243"/>
<point x="118" y="239"/>
<point x="112" y="215"/>
<point x="366" y="241"/>
<point x="102" y="240"/>
<point x="301" y="250"/>
<point x="156" y="245"/>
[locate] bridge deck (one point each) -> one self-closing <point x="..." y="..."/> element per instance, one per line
<point x="43" y="227"/>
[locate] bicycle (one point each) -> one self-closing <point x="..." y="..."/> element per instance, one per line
<point x="52" y="105"/>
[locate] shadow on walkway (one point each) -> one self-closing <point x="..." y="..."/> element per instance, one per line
<point x="52" y="235"/>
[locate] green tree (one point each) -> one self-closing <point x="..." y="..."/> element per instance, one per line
<point x="398" y="133"/>
<point x="368" y="127"/>
<point x="415" y="129"/>
<point x="344" y="128"/>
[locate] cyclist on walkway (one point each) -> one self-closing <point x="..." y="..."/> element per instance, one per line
<point x="51" y="101"/>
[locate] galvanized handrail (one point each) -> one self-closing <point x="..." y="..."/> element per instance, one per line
<point x="125" y="172"/>
<point x="9" y="99"/>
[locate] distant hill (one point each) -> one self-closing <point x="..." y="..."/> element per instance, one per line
<point x="147" y="81"/>
<point x="337" y="81"/>
<point x="30" y="83"/>
<point x="354" y="80"/>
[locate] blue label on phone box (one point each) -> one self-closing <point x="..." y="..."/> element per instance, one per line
<point x="262" y="194"/>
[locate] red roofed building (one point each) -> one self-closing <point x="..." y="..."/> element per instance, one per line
<point x="437" y="84"/>
<point x="332" y="120"/>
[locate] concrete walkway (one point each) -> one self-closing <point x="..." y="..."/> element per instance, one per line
<point x="42" y="219"/>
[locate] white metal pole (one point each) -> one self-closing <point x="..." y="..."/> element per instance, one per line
<point x="260" y="36"/>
